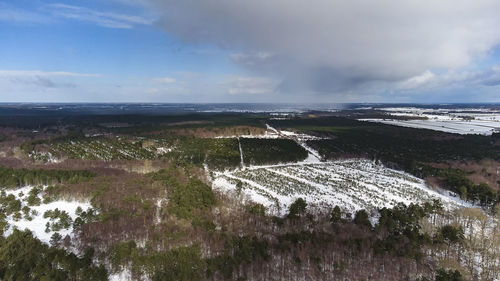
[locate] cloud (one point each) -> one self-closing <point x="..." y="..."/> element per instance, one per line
<point x="164" y="80"/>
<point x="19" y="16"/>
<point x="40" y="79"/>
<point x="105" y="19"/>
<point x="18" y="73"/>
<point x="417" y="81"/>
<point x="44" y="82"/>
<point x="240" y="85"/>
<point x="335" y="45"/>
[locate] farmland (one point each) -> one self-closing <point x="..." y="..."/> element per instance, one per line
<point x="457" y="121"/>
<point x="351" y="184"/>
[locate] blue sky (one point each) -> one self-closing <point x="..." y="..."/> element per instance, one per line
<point x="248" y="51"/>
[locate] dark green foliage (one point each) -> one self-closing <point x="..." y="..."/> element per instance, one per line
<point x="361" y="218"/>
<point x="184" y="263"/>
<point x="33" y="199"/>
<point x="23" y="257"/>
<point x="271" y="151"/>
<point x="456" y="180"/>
<point x="216" y="153"/>
<point x="20" y="177"/>
<point x="257" y="209"/>
<point x="402" y="224"/>
<point x="297" y="208"/>
<point x="336" y="215"/>
<point x="223" y="153"/>
<point x="122" y="253"/>
<point x="185" y="198"/>
<point x="85" y="217"/>
<point x="279" y="221"/>
<point x="99" y="148"/>
<point x="58" y="219"/>
<point x="55" y="239"/>
<point x="203" y="223"/>
<point x="9" y="204"/>
<point x="3" y="223"/>
<point x="301" y="237"/>
<point x="239" y="186"/>
<point x="451" y="234"/>
<point x="448" y="275"/>
<point x="195" y="195"/>
<point x="391" y="143"/>
<point x="237" y="251"/>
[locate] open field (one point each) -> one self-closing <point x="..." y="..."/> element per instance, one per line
<point x="470" y="121"/>
<point x="351" y="184"/>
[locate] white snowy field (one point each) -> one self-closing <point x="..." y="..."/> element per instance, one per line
<point x="351" y="184"/>
<point x="462" y="127"/>
<point x="458" y="121"/>
<point x="35" y="221"/>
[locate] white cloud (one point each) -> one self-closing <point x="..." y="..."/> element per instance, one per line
<point x="21" y="73"/>
<point x="105" y="19"/>
<point x="14" y="15"/>
<point x="164" y="80"/>
<point x="240" y="85"/>
<point x="417" y="81"/>
<point x="334" y="45"/>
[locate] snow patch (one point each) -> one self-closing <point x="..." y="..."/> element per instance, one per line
<point x="38" y="222"/>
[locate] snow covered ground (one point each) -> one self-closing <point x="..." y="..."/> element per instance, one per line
<point x="37" y="222"/>
<point x="459" y="121"/>
<point x="351" y="184"/>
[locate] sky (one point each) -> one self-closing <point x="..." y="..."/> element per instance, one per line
<point x="212" y="51"/>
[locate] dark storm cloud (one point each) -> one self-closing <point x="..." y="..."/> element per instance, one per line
<point x="329" y="46"/>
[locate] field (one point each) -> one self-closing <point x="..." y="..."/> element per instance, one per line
<point x="351" y="184"/>
<point x="96" y="148"/>
<point x="470" y="121"/>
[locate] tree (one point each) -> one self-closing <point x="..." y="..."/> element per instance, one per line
<point x="336" y="215"/>
<point x="257" y="209"/>
<point x="55" y="240"/>
<point x="463" y="192"/>
<point x="361" y="218"/>
<point x="452" y="234"/>
<point x="239" y="186"/>
<point x="297" y="208"/>
<point x="448" y="275"/>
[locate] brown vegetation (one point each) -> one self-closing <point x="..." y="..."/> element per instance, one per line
<point x="484" y="171"/>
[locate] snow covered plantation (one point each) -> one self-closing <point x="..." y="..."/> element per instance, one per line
<point x="351" y="184"/>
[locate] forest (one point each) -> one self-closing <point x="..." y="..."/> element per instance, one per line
<point x="154" y="214"/>
<point x="412" y="150"/>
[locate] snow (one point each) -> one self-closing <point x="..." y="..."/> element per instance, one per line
<point x="124" y="274"/>
<point x="158" y="211"/>
<point x="450" y="126"/>
<point x="241" y="154"/>
<point x="37" y="224"/>
<point x="459" y="121"/>
<point x="351" y="184"/>
<point x="313" y="156"/>
<point x="163" y="150"/>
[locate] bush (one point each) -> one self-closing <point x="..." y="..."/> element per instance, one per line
<point x="448" y="275"/>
